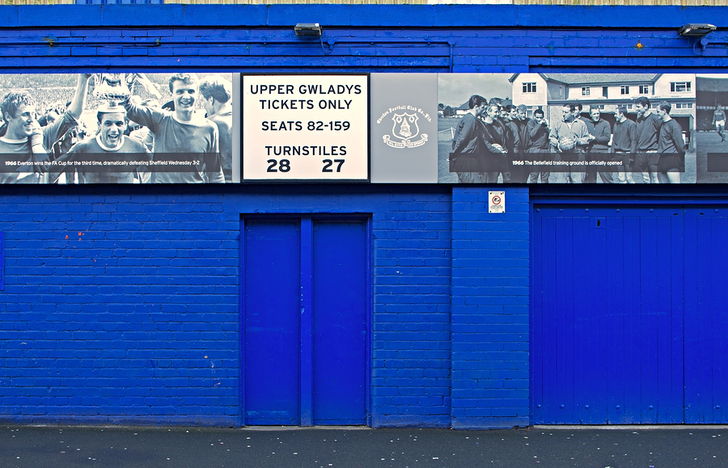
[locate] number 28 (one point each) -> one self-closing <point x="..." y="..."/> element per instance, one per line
<point x="284" y="165"/>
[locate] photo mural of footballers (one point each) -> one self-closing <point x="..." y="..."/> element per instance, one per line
<point x="712" y="140"/>
<point x="116" y="128"/>
<point x="567" y="128"/>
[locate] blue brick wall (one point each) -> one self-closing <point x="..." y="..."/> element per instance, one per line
<point x="490" y="299"/>
<point x="118" y="307"/>
<point x="411" y="348"/>
<point x="355" y="50"/>
<point x="445" y="38"/>
<point x="122" y="306"/>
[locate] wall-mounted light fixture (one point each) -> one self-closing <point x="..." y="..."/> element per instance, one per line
<point x="308" y="30"/>
<point x="696" y="29"/>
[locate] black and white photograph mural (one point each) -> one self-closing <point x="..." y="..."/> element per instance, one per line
<point x="117" y="128"/>
<point x="711" y="136"/>
<point x="566" y="128"/>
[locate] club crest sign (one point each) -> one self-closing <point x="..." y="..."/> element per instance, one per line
<point x="405" y="130"/>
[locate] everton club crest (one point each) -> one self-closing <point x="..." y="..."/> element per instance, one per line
<point x="405" y="131"/>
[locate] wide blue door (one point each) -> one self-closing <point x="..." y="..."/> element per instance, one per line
<point x="607" y="315"/>
<point x="305" y="309"/>
<point x="629" y="315"/>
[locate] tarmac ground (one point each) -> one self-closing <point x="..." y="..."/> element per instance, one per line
<point x="73" y="446"/>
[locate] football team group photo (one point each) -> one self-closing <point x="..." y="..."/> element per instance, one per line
<point x="567" y="128"/>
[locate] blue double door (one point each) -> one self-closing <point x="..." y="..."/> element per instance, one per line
<point x="629" y="315"/>
<point x="305" y="303"/>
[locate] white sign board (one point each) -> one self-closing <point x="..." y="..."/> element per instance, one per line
<point x="305" y="127"/>
<point x="496" y="201"/>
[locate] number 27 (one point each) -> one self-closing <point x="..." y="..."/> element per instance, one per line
<point x="329" y="162"/>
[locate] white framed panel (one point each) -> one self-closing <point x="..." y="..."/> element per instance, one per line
<point x="305" y="128"/>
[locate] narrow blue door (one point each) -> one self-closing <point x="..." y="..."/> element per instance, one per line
<point x="340" y="285"/>
<point x="305" y="307"/>
<point x="271" y="283"/>
<point x="607" y="311"/>
<point x="706" y="316"/>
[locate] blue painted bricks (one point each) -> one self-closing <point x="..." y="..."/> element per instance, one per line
<point x="415" y="38"/>
<point x="122" y="307"/>
<point x="489" y="311"/>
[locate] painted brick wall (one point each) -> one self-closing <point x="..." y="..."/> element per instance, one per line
<point x="122" y="306"/>
<point x="355" y="50"/>
<point x="490" y="298"/>
<point x="411" y="349"/>
<point x="119" y="306"/>
<point x="444" y="38"/>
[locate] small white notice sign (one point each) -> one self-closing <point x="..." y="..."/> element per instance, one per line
<point x="496" y="201"/>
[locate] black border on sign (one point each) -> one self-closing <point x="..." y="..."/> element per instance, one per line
<point x="305" y="181"/>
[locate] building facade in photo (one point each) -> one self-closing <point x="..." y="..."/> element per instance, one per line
<point x="606" y="92"/>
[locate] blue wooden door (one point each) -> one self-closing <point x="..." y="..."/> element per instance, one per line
<point x="305" y="307"/>
<point x="340" y="322"/>
<point x="271" y="304"/>
<point x="706" y="316"/>
<point x="607" y="315"/>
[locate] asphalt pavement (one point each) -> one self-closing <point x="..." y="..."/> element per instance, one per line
<point x="68" y="446"/>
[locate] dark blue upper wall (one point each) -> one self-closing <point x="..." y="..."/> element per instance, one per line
<point x="357" y="16"/>
<point x="411" y="38"/>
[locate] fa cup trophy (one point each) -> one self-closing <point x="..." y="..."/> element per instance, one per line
<point x="113" y="87"/>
